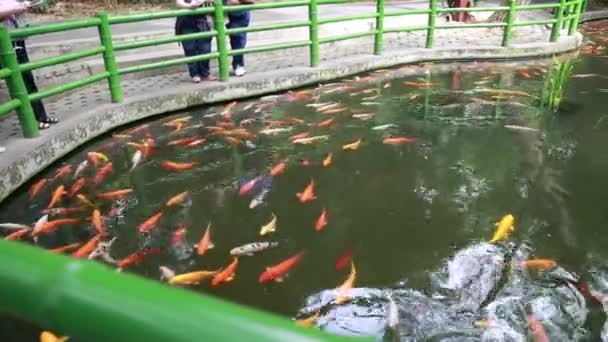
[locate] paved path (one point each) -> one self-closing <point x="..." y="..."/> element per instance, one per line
<point x="70" y="105"/>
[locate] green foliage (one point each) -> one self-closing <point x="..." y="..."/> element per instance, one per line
<point x="553" y="90"/>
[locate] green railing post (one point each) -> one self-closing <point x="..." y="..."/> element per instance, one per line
<point x="430" y="32"/>
<point x="506" y="38"/>
<point x="313" y="32"/>
<point x="584" y="6"/>
<point x="16" y="85"/>
<point x="557" y="25"/>
<point x="222" y="49"/>
<point x="379" y="37"/>
<point x="109" y="59"/>
<point x="578" y="6"/>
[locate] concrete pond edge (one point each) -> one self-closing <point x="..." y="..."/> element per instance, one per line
<point x="25" y="159"/>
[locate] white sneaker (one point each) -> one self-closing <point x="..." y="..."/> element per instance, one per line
<point x="240" y="71"/>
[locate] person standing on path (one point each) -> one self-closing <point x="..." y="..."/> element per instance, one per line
<point x="10" y="11"/>
<point x="199" y="71"/>
<point x="238" y="19"/>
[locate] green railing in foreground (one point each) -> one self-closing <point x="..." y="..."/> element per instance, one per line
<point x="90" y="302"/>
<point x="567" y="14"/>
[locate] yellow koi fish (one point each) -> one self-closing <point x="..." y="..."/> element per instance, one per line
<point x="348" y="284"/>
<point x="191" y="278"/>
<point x="270" y="227"/>
<point x="505" y="227"/>
<point x="47" y="336"/>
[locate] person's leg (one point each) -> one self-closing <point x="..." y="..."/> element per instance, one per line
<point x="30" y="85"/>
<point x="191" y="49"/>
<point x="238" y="40"/>
<point x="205" y="48"/>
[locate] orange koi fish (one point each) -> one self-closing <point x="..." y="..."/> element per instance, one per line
<point x="102" y="174"/>
<point x="87" y="248"/>
<point x="352" y="146"/>
<point x="197" y="142"/>
<point x="399" y="140"/>
<point x="348" y="284"/>
<point x="308" y="194"/>
<point x="94" y="158"/>
<point x="16" y="235"/>
<point x="178" y="199"/>
<point x="36" y="188"/>
<point x="227" y="274"/>
<point x="66" y="248"/>
<point x="248" y="187"/>
<point x="205" y="243"/>
<point x="298" y="136"/>
<point x="344" y="259"/>
<point x="173" y="166"/>
<point x="321" y="221"/>
<point x="62" y="171"/>
<point x="276" y="272"/>
<point x="97" y="221"/>
<point x="53" y="225"/>
<point x="57" y="195"/>
<point x="150" y="223"/>
<point x="215" y="129"/>
<point x="114" y="195"/>
<point x="326" y="123"/>
<point x="279" y="168"/>
<point x="182" y="141"/>
<point x="227" y="124"/>
<point x="62" y="211"/>
<point x="191" y="278"/>
<point x="232" y="141"/>
<point x="136" y="258"/>
<point x="76" y="187"/>
<point x="537" y="330"/>
<point x="226" y="113"/>
<point x="85" y="201"/>
<point x="182" y="119"/>
<point x="327" y="160"/>
<point x="539" y="264"/>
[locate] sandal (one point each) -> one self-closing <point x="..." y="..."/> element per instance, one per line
<point x="51" y="120"/>
<point x="44" y="125"/>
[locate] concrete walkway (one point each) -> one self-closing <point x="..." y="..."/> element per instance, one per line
<point x="83" y="111"/>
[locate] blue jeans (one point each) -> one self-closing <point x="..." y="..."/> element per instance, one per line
<point x="238" y="19"/>
<point x="197" y="47"/>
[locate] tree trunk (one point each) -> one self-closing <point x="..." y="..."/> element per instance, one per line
<point x="501" y="16"/>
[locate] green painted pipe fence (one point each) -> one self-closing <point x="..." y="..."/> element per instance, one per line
<point x="567" y="14"/>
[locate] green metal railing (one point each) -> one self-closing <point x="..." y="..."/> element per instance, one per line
<point x="567" y="14"/>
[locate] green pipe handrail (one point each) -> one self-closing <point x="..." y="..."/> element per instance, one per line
<point x="566" y="17"/>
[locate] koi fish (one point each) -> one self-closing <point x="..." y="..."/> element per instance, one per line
<point x="278" y="271"/>
<point x="150" y="223"/>
<point x="114" y="195"/>
<point x="504" y="228"/>
<point x="13" y="226"/>
<point x="76" y="187"/>
<point x="309" y="321"/>
<point x="539" y="264"/>
<point x="182" y="119"/>
<point x="136" y="159"/>
<point x="47" y="336"/>
<point x="173" y="166"/>
<point x="352" y="146"/>
<point x="57" y="195"/>
<point x="136" y="258"/>
<point x="226" y="112"/>
<point x="399" y="140"/>
<point x="321" y="221"/>
<point x="166" y="273"/>
<point x="62" y="211"/>
<point x="192" y="278"/>
<point x="270" y="227"/>
<point x="537" y="330"/>
<point x="178" y="235"/>
<point x="383" y="127"/>
<point x="41" y="222"/>
<point x="248" y="187"/>
<point x="36" y="188"/>
<point x="97" y="221"/>
<point x="348" y="284"/>
<point x="275" y="131"/>
<point x="62" y="171"/>
<point x="309" y="140"/>
<point x="182" y="141"/>
<point x="327" y="160"/>
<point x="305" y="162"/>
<point x="308" y="194"/>
<point x="196" y="142"/>
<point x="53" y="225"/>
<point x="92" y="156"/>
<point x="364" y="116"/>
<point x="87" y="248"/>
<point x="205" y="243"/>
<point x="279" y="168"/>
<point x="121" y="136"/>
<point x="227" y="274"/>
<point x="344" y="259"/>
<point x="102" y="174"/>
<point x="178" y="199"/>
<point x="85" y="201"/>
<point x="66" y="248"/>
<point x="298" y="136"/>
<point x="259" y="198"/>
<point x="252" y="248"/>
<point x="326" y="123"/>
<point x="18" y="234"/>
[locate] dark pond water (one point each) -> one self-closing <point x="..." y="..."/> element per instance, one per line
<point x="416" y="215"/>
